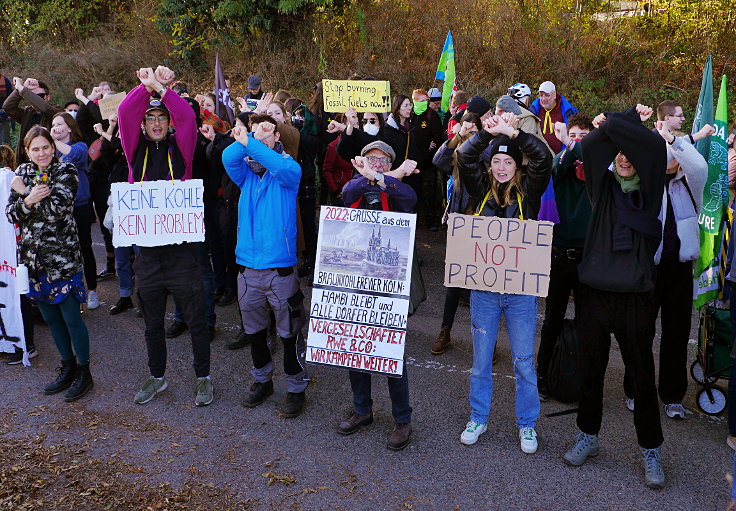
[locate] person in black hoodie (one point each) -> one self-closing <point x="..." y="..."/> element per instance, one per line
<point x="625" y="167"/>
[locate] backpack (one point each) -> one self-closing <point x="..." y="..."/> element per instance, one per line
<point x="563" y="375"/>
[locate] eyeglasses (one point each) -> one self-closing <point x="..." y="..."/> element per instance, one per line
<point x="159" y="118"/>
<point x="380" y="160"/>
<point x="545" y="94"/>
<point x="372" y="120"/>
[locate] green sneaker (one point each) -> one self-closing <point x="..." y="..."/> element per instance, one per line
<point x="149" y="390"/>
<point x="204" y="392"/>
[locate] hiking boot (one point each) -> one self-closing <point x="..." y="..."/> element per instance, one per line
<point x="124" y="303"/>
<point x="82" y="384"/>
<point x="585" y="446"/>
<point x="227" y="298"/>
<point x="472" y="431"/>
<point x="653" y="473"/>
<point x="204" y="392"/>
<point x="150" y="388"/>
<point x="354" y="423"/>
<point x="258" y="394"/>
<point x="64" y="377"/>
<point x="443" y="341"/>
<point x="176" y="329"/>
<point x="292" y="405"/>
<point x="241" y="341"/>
<point x="630" y="404"/>
<point x="93" y="300"/>
<point x="528" y="440"/>
<point x="675" y="411"/>
<point x="17" y="357"/>
<point x="400" y="437"/>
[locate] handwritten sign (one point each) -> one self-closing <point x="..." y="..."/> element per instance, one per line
<point x="360" y="297"/>
<point x="156" y="213"/>
<point x="504" y="255"/>
<point x="109" y="104"/>
<point x="363" y="95"/>
<point x="11" y="320"/>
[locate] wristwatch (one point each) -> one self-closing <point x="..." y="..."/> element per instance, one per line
<point x="378" y="177"/>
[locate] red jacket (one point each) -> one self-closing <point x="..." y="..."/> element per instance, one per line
<point x="336" y="170"/>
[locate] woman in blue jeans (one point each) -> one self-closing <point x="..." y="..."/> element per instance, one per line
<point x="42" y="203"/>
<point x="506" y="190"/>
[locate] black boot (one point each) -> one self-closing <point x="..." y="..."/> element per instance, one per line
<point x="64" y="377"/>
<point x="82" y="383"/>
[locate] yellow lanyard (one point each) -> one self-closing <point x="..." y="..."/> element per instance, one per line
<point x="488" y="195"/>
<point x="145" y="163"/>
<point x="548" y="120"/>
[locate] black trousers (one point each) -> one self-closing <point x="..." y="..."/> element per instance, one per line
<point x="172" y="270"/>
<point x="563" y="279"/>
<point x="307" y="205"/>
<point x="84" y="216"/>
<point x="229" y="229"/>
<point x="630" y="317"/>
<point x="100" y="189"/>
<point x="674" y="296"/>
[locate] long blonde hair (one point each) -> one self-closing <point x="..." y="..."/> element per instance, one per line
<point x="513" y="186"/>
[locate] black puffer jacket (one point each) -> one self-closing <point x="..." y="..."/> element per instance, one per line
<point x="534" y="176"/>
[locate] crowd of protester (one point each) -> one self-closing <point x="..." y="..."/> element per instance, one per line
<point x="627" y="196"/>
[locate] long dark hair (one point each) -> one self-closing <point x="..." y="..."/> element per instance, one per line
<point x="39" y="131"/>
<point x="396" y="106"/>
<point x="76" y="134"/>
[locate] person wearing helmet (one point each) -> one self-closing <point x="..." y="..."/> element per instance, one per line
<point x="521" y="93"/>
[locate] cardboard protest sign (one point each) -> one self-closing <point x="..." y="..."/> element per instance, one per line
<point x="363" y="95"/>
<point x="11" y="320"/>
<point x="504" y="255"/>
<point x="360" y="297"/>
<point x="156" y="213"/>
<point x="109" y="104"/>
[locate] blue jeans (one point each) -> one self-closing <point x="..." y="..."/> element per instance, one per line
<point x="398" y="389"/>
<point x="520" y="313"/>
<point x="124" y="269"/>
<point x="208" y="276"/>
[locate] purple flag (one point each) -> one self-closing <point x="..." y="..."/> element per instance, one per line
<point x="223" y="107"/>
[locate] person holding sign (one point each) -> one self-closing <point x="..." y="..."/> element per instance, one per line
<point x="376" y="186"/>
<point x="506" y="190"/>
<point x="625" y="165"/>
<point x="42" y="203"/>
<point x="153" y="153"/>
<point x="266" y="252"/>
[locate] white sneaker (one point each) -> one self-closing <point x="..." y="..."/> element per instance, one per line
<point x="93" y="301"/>
<point x="472" y="431"/>
<point x="630" y="404"/>
<point x="674" y="411"/>
<point x="528" y="440"/>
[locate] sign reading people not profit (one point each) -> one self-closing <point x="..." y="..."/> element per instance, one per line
<point x="504" y="255"/>
<point x="156" y="213"/>
<point x="363" y="95"/>
<point x="360" y="297"/>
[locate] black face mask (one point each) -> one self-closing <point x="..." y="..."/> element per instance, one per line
<point x="297" y="122"/>
<point x="373" y="200"/>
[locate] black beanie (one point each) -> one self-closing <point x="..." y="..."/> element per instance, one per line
<point x="478" y="105"/>
<point x="504" y="145"/>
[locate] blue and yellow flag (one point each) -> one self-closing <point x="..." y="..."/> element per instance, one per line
<point x="446" y="71"/>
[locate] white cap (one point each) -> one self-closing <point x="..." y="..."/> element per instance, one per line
<point x="547" y="87"/>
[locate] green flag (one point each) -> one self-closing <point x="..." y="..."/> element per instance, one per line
<point x="715" y="201"/>
<point x="704" y="110"/>
<point x="446" y="71"/>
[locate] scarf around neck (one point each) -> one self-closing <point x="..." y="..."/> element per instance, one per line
<point x="256" y="167"/>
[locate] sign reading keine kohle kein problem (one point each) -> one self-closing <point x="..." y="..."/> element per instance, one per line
<point x="504" y="255"/>
<point x="360" y="297"/>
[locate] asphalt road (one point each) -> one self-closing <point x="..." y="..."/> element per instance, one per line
<point x="237" y="452"/>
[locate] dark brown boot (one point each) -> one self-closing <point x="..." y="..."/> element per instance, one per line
<point x="400" y="436"/>
<point x="442" y="342"/>
<point x="354" y="423"/>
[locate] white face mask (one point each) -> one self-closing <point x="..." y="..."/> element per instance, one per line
<point x="371" y="129"/>
<point x="73" y="113"/>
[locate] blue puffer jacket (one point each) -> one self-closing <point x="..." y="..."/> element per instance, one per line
<point x="79" y="158"/>
<point x="267" y="206"/>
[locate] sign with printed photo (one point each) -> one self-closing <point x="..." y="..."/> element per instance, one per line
<point x="156" y="213"/>
<point x="360" y="296"/>
<point x="504" y="255"/>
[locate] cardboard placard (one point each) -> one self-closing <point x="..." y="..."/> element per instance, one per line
<point x="360" y="297"/>
<point x="109" y="104"/>
<point x="363" y="95"/>
<point x="156" y="213"/>
<point x="504" y="255"/>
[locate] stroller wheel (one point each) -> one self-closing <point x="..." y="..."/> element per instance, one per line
<point x="696" y="371"/>
<point x="712" y="404"/>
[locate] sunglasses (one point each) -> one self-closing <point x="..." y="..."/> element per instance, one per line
<point x="370" y="121"/>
